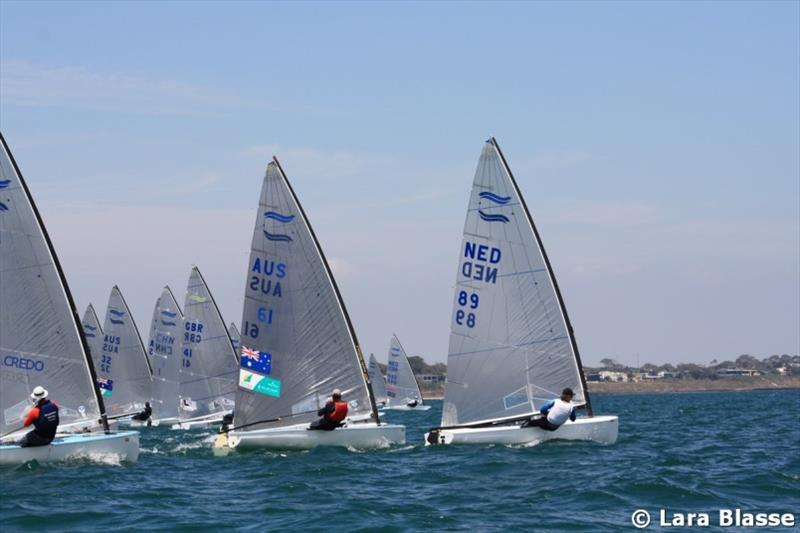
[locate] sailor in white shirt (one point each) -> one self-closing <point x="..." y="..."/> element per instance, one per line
<point x="555" y="412"/>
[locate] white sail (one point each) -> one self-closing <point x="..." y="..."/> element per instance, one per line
<point x="208" y="368"/>
<point x="511" y="346"/>
<point x="164" y="351"/>
<point x="376" y="378"/>
<point x="93" y="331"/>
<point x="123" y="370"/>
<point x="297" y="340"/>
<point x="235" y="336"/>
<point x="41" y="341"/>
<point x="401" y="385"/>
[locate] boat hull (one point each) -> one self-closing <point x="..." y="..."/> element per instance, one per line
<point x="210" y="420"/>
<point x="406" y="408"/>
<point x="600" y="429"/>
<point x="123" y="445"/>
<point x="299" y="437"/>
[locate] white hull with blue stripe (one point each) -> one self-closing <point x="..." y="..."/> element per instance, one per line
<point x="118" y="446"/>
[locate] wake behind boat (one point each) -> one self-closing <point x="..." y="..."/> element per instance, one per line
<point x="298" y="342"/>
<point x="41" y="340"/>
<point x="512" y="348"/>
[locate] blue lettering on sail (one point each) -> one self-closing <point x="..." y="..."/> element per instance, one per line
<point x="23" y="363"/>
<point x="478" y="270"/>
<point x="268" y="267"/>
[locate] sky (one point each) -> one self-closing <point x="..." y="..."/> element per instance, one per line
<point x="656" y="143"/>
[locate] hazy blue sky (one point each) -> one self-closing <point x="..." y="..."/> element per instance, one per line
<point x="658" y="145"/>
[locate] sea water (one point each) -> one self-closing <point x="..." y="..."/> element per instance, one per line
<point x="676" y="453"/>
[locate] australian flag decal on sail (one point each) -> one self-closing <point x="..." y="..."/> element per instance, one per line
<point x="493" y="218"/>
<point x="256" y="361"/>
<point x="106" y="386"/>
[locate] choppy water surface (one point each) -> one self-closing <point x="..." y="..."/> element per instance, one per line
<point x="682" y="452"/>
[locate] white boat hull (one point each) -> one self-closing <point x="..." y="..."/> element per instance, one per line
<point x="600" y="429"/>
<point x="210" y="420"/>
<point x="407" y="408"/>
<point x="123" y="445"/>
<point x="298" y="437"/>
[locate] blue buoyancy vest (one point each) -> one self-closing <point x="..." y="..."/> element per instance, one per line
<point x="47" y="423"/>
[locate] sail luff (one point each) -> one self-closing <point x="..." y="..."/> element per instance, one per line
<point x="62" y="281"/>
<point x="340" y="301"/>
<point x="552" y="276"/>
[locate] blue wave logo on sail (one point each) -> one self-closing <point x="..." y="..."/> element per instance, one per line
<point x="169" y="314"/>
<point x="88" y="330"/>
<point x="277" y="237"/>
<point x="4" y="185"/>
<point x="116" y="313"/>
<point x="499" y="200"/>
<point x="168" y="323"/>
<point x="493" y="218"/>
<point x="274" y="215"/>
<point x="116" y="321"/>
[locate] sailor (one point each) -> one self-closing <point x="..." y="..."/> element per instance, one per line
<point x="44" y="417"/>
<point x="333" y="414"/>
<point x="145" y="414"/>
<point x="555" y="412"/>
<point x="412" y="403"/>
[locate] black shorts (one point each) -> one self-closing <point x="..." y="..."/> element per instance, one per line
<point x="32" y="439"/>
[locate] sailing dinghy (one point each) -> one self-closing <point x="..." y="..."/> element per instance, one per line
<point x="208" y="369"/>
<point x="123" y="369"/>
<point x="402" y="389"/>
<point x="41" y="340"/>
<point x="164" y="351"/>
<point x="298" y="343"/>
<point x="378" y="383"/>
<point x="511" y="343"/>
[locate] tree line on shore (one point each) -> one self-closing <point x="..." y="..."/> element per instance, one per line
<point x="775" y="364"/>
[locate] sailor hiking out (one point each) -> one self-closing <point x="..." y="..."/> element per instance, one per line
<point x="555" y="412"/>
<point x="333" y="414"/>
<point x="44" y="417"/>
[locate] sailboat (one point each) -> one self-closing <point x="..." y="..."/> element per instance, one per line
<point x="235" y="336"/>
<point x="378" y="383"/>
<point x="402" y="389"/>
<point x="164" y="351"/>
<point x="41" y="339"/>
<point x="208" y="370"/>
<point x="93" y="331"/>
<point x="123" y="369"/>
<point x="512" y="347"/>
<point x="298" y="343"/>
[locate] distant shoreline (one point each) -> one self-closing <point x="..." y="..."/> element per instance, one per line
<point x="666" y="386"/>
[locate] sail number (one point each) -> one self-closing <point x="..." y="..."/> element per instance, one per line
<point x="187" y="357"/>
<point x="469" y="302"/>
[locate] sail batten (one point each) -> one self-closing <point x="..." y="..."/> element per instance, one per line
<point x="41" y="336"/>
<point x="297" y="340"/>
<point x="511" y="345"/>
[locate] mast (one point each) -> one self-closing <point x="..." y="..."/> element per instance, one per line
<point x="63" y="280"/>
<point x="550" y="273"/>
<point x="332" y="280"/>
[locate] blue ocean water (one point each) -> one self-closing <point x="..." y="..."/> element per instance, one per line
<point x="689" y="452"/>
